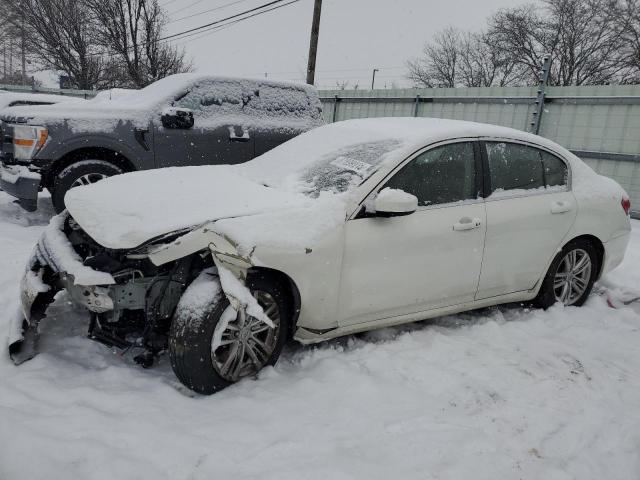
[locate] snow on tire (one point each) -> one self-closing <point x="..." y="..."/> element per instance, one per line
<point x="211" y="346"/>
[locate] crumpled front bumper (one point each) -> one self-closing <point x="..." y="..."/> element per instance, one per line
<point x="48" y="271"/>
<point x="20" y="182"/>
<point x="54" y="265"/>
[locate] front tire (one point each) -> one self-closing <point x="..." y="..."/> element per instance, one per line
<point x="243" y="344"/>
<point x="571" y="275"/>
<point x="84" y="172"/>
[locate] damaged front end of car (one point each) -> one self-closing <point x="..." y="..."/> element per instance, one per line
<point x="129" y="295"/>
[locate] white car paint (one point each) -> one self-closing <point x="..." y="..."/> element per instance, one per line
<point x="372" y="272"/>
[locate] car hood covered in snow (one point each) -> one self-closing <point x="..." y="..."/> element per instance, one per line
<point x="128" y="210"/>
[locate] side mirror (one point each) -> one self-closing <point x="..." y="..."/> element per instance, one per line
<point x="174" y="117"/>
<point x="391" y="202"/>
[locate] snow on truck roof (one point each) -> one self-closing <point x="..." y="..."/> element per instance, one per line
<point x="104" y="112"/>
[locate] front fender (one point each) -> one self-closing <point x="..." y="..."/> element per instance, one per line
<point x="64" y="141"/>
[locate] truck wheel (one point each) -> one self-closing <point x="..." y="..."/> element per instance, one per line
<point x="77" y="174"/>
<point x="206" y="358"/>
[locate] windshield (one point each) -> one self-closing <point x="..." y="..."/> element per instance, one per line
<point x="334" y="158"/>
<point x="344" y="169"/>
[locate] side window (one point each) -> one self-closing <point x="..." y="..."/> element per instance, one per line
<point x="514" y="167"/>
<point x="210" y="98"/>
<point x="518" y="167"/>
<point x="276" y="101"/>
<point x="443" y="174"/>
<point x="555" y="170"/>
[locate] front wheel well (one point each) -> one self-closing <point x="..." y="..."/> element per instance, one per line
<point x="88" y="153"/>
<point x="597" y="244"/>
<point x="290" y="287"/>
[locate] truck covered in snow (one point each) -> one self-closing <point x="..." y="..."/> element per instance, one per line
<point x="184" y="119"/>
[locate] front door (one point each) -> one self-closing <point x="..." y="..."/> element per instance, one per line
<point x="429" y="259"/>
<point x="529" y="212"/>
<point x="222" y="131"/>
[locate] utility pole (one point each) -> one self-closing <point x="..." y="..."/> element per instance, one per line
<point x="22" y="50"/>
<point x="373" y="77"/>
<point x="313" y="43"/>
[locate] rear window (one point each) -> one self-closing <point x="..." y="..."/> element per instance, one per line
<point x="515" y="167"/>
<point x="282" y="101"/>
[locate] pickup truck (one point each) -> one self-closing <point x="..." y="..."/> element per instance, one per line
<point x="184" y="119"/>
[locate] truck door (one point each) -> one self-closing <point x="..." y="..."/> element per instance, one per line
<point x="220" y="134"/>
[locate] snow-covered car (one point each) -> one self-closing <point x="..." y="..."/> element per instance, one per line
<point x="183" y="119"/>
<point x="21" y="99"/>
<point x="350" y="227"/>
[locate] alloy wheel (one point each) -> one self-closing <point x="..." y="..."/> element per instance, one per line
<point x="572" y="276"/>
<point x="247" y="343"/>
<point x="88" y="179"/>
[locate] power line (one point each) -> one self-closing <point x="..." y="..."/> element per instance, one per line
<point x="217" y="22"/>
<point x="216" y="26"/>
<point x="213" y="26"/>
<point x="204" y="11"/>
<point x="182" y="9"/>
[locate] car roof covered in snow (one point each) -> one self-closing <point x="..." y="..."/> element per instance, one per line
<point x="404" y="134"/>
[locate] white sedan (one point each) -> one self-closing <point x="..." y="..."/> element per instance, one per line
<point x="350" y="227"/>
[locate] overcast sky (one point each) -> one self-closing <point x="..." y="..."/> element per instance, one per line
<point x="355" y="36"/>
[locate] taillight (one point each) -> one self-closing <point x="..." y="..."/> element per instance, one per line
<point x="626" y="205"/>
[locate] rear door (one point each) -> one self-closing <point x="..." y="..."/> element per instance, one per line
<point x="281" y="112"/>
<point x="530" y="209"/>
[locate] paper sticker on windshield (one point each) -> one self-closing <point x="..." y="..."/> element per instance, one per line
<point x="351" y="164"/>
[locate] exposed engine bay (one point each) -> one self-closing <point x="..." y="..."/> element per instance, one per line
<point x="133" y="312"/>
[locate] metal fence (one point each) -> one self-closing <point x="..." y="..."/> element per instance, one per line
<point x="600" y="124"/>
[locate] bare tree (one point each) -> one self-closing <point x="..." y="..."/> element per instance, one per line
<point x="583" y="37"/>
<point x="466" y="59"/>
<point x="132" y="30"/>
<point x="59" y="35"/>
<point x="482" y="63"/>
<point x="630" y="13"/>
<point x="439" y="62"/>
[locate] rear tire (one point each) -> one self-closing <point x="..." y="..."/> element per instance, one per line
<point x="194" y="361"/>
<point x="83" y="172"/>
<point x="571" y="275"/>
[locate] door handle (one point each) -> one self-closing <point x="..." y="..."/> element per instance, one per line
<point x="236" y="138"/>
<point x="560" y="207"/>
<point x="467" y="223"/>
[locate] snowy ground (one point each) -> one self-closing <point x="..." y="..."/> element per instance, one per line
<point x="497" y="394"/>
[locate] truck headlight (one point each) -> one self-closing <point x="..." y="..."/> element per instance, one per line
<point x="28" y="140"/>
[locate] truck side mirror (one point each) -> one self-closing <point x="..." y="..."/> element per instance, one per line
<point x="177" y="118"/>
